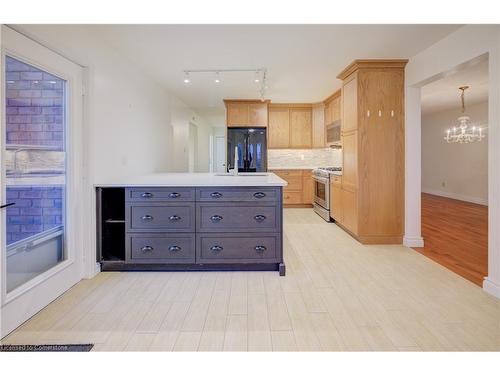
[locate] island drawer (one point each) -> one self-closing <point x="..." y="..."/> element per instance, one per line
<point x="237" y="248"/>
<point x="171" y="194"/>
<point x="224" y="194"/>
<point x="150" y="248"/>
<point x="178" y="217"/>
<point x="229" y="217"/>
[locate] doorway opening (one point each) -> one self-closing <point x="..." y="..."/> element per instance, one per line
<point x="455" y="170"/>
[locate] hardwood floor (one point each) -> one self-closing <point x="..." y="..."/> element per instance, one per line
<point x="456" y="236"/>
<point x="338" y="295"/>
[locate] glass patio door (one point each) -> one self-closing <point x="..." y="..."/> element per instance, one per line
<point x="41" y="108"/>
<point x="35" y="171"/>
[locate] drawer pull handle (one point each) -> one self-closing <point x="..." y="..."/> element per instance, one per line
<point x="216" y="218"/>
<point x="259" y="218"/>
<point x="147" y="218"/>
<point x="174" y="195"/>
<point x="174" y="218"/>
<point x="216" y="194"/>
<point x="175" y="248"/>
<point x="147" y="195"/>
<point x="216" y="248"/>
<point x="147" y="249"/>
<point x="259" y="195"/>
<point x="260" y="248"/>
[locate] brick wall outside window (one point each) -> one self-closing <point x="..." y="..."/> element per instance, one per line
<point x="34" y="117"/>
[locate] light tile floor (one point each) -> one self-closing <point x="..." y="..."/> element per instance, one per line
<point x="337" y="295"/>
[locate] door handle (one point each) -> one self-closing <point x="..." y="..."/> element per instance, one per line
<point x="259" y="218"/>
<point x="7" y="205"/>
<point x="216" y="218"/>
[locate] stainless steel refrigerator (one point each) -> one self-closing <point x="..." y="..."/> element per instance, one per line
<point x="252" y="149"/>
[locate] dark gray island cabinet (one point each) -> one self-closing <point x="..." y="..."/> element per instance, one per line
<point x="190" y="228"/>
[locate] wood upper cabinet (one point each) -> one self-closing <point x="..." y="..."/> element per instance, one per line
<point x="300" y="128"/>
<point x="242" y="113"/>
<point x="328" y="112"/>
<point x="290" y="126"/>
<point x="278" y="130"/>
<point x="350" y="104"/>
<point x="335" y="108"/>
<point x="318" y="126"/>
<point x="257" y="114"/>
<point x="372" y="112"/>
<point x="332" y="107"/>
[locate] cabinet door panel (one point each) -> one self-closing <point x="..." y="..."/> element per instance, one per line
<point x="300" y="128"/>
<point x="350" y="210"/>
<point x="257" y="114"/>
<point x="335" y="109"/>
<point x="237" y="114"/>
<point x="318" y="119"/>
<point x="307" y="187"/>
<point x="350" y="157"/>
<point x="279" y="128"/>
<point x="336" y="202"/>
<point x="350" y="105"/>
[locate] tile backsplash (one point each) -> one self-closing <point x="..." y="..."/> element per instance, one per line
<point x="307" y="158"/>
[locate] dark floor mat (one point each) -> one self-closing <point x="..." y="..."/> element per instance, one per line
<point x="47" y="348"/>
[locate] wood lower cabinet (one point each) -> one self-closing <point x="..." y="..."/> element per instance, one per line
<point x="300" y="188"/>
<point x="307" y="187"/>
<point x="336" y="207"/>
<point x="372" y="135"/>
<point x="349" y="210"/>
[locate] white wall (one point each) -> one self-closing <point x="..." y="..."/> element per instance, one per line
<point x="467" y="43"/>
<point x="462" y="167"/>
<point x="134" y="125"/>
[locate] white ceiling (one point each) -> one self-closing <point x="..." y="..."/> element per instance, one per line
<point x="444" y="94"/>
<point x="302" y="60"/>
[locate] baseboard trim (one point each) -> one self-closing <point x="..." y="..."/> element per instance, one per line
<point x="380" y="240"/>
<point x="409" y="241"/>
<point x="491" y="287"/>
<point x="460" y="197"/>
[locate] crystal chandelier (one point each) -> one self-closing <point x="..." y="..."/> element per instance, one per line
<point x="464" y="132"/>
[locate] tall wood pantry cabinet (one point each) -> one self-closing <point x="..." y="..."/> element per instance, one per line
<point x="372" y="187"/>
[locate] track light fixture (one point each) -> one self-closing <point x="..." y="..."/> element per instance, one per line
<point x="259" y="77"/>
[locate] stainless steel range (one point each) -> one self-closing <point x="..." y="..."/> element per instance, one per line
<point x="321" y="178"/>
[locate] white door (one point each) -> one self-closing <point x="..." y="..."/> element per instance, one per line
<point x="41" y="167"/>
<point x="220" y="154"/>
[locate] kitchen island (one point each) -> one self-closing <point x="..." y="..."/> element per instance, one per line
<point x="191" y="221"/>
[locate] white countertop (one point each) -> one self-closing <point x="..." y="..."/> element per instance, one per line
<point x="286" y="168"/>
<point x="196" y="180"/>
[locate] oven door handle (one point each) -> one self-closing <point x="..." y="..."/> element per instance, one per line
<point x="323" y="180"/>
